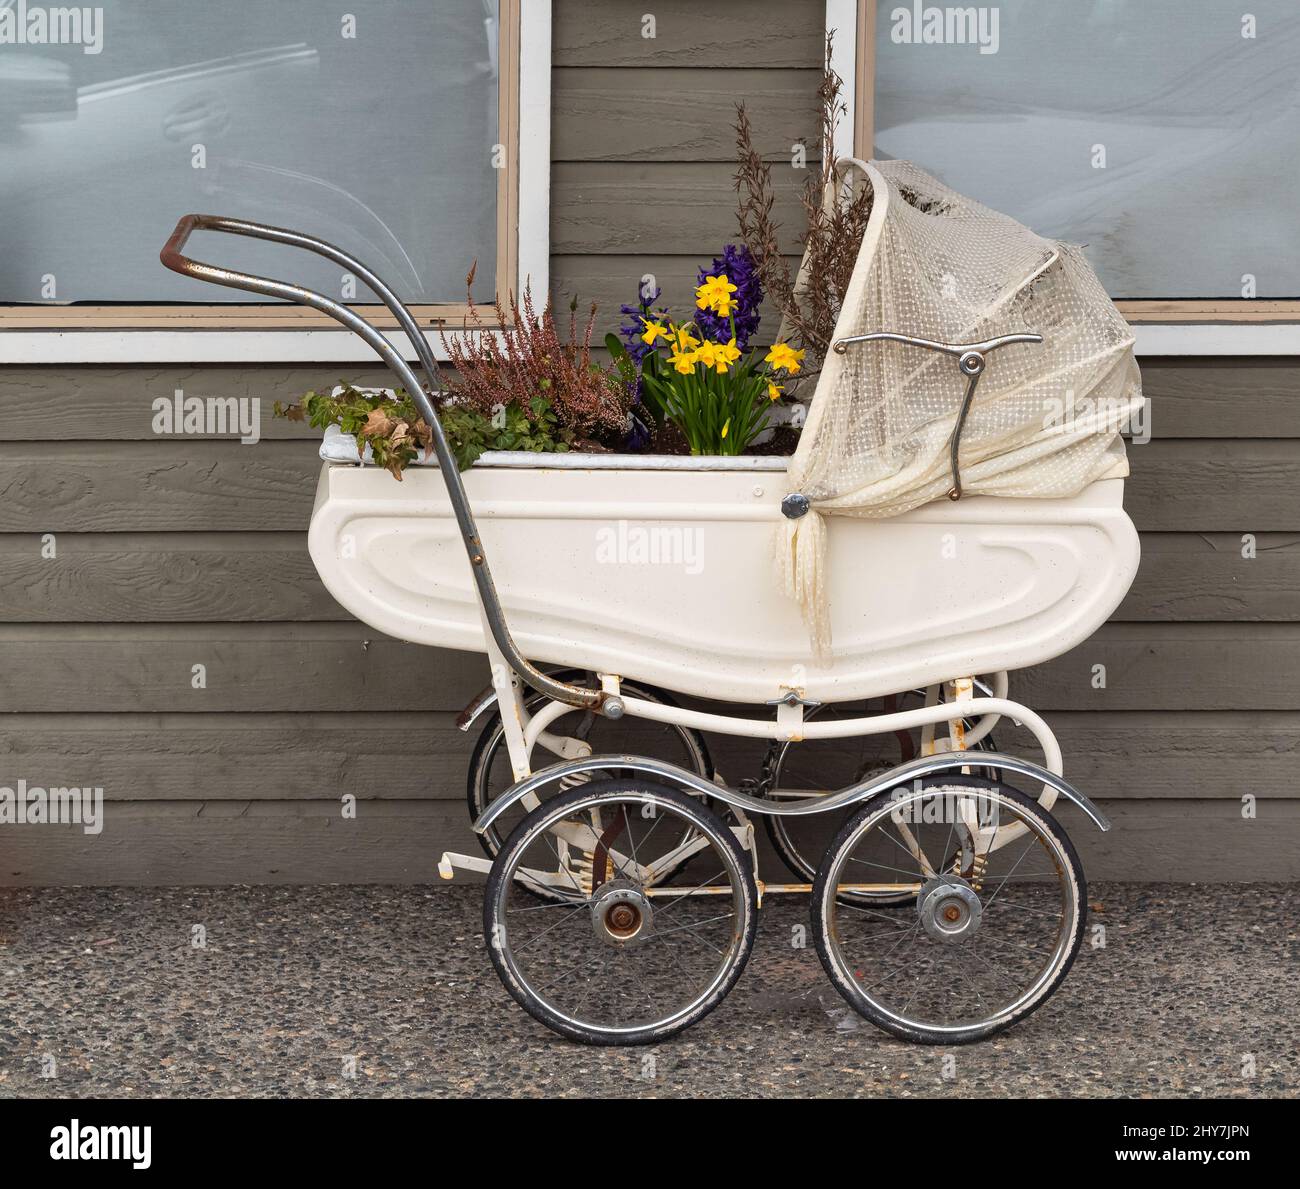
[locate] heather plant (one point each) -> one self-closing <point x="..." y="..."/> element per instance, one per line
<point x="519" y="385"/>
<point x="524" y="357"/>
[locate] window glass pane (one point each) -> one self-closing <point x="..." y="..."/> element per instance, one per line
<point x="370" y="123"/>
<point x="1164" y="134"/>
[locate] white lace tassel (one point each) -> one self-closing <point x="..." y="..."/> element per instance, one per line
<point x="803" y="561"/>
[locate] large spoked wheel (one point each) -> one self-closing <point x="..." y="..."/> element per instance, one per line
<point x="824" y="766"/>
<point x="999" y="909"/>
<point x="489" y="767"/>
<point x="619" y="957"/>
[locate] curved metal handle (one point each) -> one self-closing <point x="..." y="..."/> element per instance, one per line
<point x="174" y="258"/>
<point x="839" y="346"/>
<point x="971" y="358"/>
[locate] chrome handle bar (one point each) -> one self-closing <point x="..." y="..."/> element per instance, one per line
<point x="971" y="358"/>
<point x="174" y="258"/>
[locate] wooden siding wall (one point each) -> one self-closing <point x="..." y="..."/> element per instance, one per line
<point x="173" y="552"/>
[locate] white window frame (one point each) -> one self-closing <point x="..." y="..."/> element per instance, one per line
<point x="1156" y="335"/>
<point x="533" y="219"/>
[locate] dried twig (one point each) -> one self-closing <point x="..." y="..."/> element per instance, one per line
<point x="832" y="236"/>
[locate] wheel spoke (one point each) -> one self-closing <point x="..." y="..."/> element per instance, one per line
<point x="955" y="967"/>
<point x="632" y="963"/>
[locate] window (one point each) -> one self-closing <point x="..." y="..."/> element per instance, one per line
<point x="1163" y="135"/>
<point x="387" y="126"/>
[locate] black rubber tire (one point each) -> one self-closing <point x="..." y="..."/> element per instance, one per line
<point x="702" y="817"/>
<point x="847" y="987"/>
<point x="490" y="738"/>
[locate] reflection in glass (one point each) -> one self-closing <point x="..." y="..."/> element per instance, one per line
<point x="370" y="124"/>
<point x="1164" y="134"/>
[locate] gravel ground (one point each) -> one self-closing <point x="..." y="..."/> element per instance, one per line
<point x="106" y="992"/>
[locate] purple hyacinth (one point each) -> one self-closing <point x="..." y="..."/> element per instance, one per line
<point x="740" y="269"/>
<point x="634" y="327"/>
<point x="638" y="435"/>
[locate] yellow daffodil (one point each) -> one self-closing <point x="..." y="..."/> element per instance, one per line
<point x="785" y="357"/>
<point x="719" y="356"/>
<point x="715" y="294"/>
<point x="653" y="330"/>
<point x="726" y="427"/>
<point x="773" y="391"/>
<point x="682" y="339"/>
<point x="707" y="354"/>
<point x="683" y="361"/>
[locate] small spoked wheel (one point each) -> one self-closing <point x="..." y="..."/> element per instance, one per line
<point x="999" y="905"/>
<point x="617" y="954"/>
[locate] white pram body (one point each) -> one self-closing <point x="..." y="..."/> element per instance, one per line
<point x="665" y="575"/>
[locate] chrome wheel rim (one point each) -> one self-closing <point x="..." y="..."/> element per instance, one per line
<point x="630" y="955"/>
<point x="983" y="945"/>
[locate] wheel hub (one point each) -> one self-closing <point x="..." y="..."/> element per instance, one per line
<point x="621" y="912"/>
<point x="949" y="909"/>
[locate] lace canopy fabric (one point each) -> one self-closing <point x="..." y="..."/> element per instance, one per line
<point x="1045" y="418"/>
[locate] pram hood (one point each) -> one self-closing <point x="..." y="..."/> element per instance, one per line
<point x="1045" y="417"/>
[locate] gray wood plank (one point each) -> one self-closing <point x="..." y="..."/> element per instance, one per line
<point x="1171" y="755"/>
<point x="295" y="842"/>
<point x="723" y="34"/>
<point x="160" y="485"/>
<point x="1203" y="576"/>
<point x="621" y="114"/>
<point x="673" y="209"/>
<point x="268" y="577"/>
<point x="381" y="756"/>
<point x="203" y="486"/>
<point x="1212" y="485"/>
<point x="249" y="667"/>
<point x="1172" y="666"/>
<point x="1223" y="398"/>
<point x="92" y="402"/>
<point x="213" y="842"/>
<point x="235" y="757"/>
<point x="347" y="666"/>
<point x="162" y="578"/>
<point x="1188" y="841"/>
<point x="1246" y="397"/>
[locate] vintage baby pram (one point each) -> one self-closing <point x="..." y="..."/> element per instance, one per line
<point x="973" y="361"/>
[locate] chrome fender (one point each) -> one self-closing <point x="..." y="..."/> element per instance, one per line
<point x="904" y="774"/>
